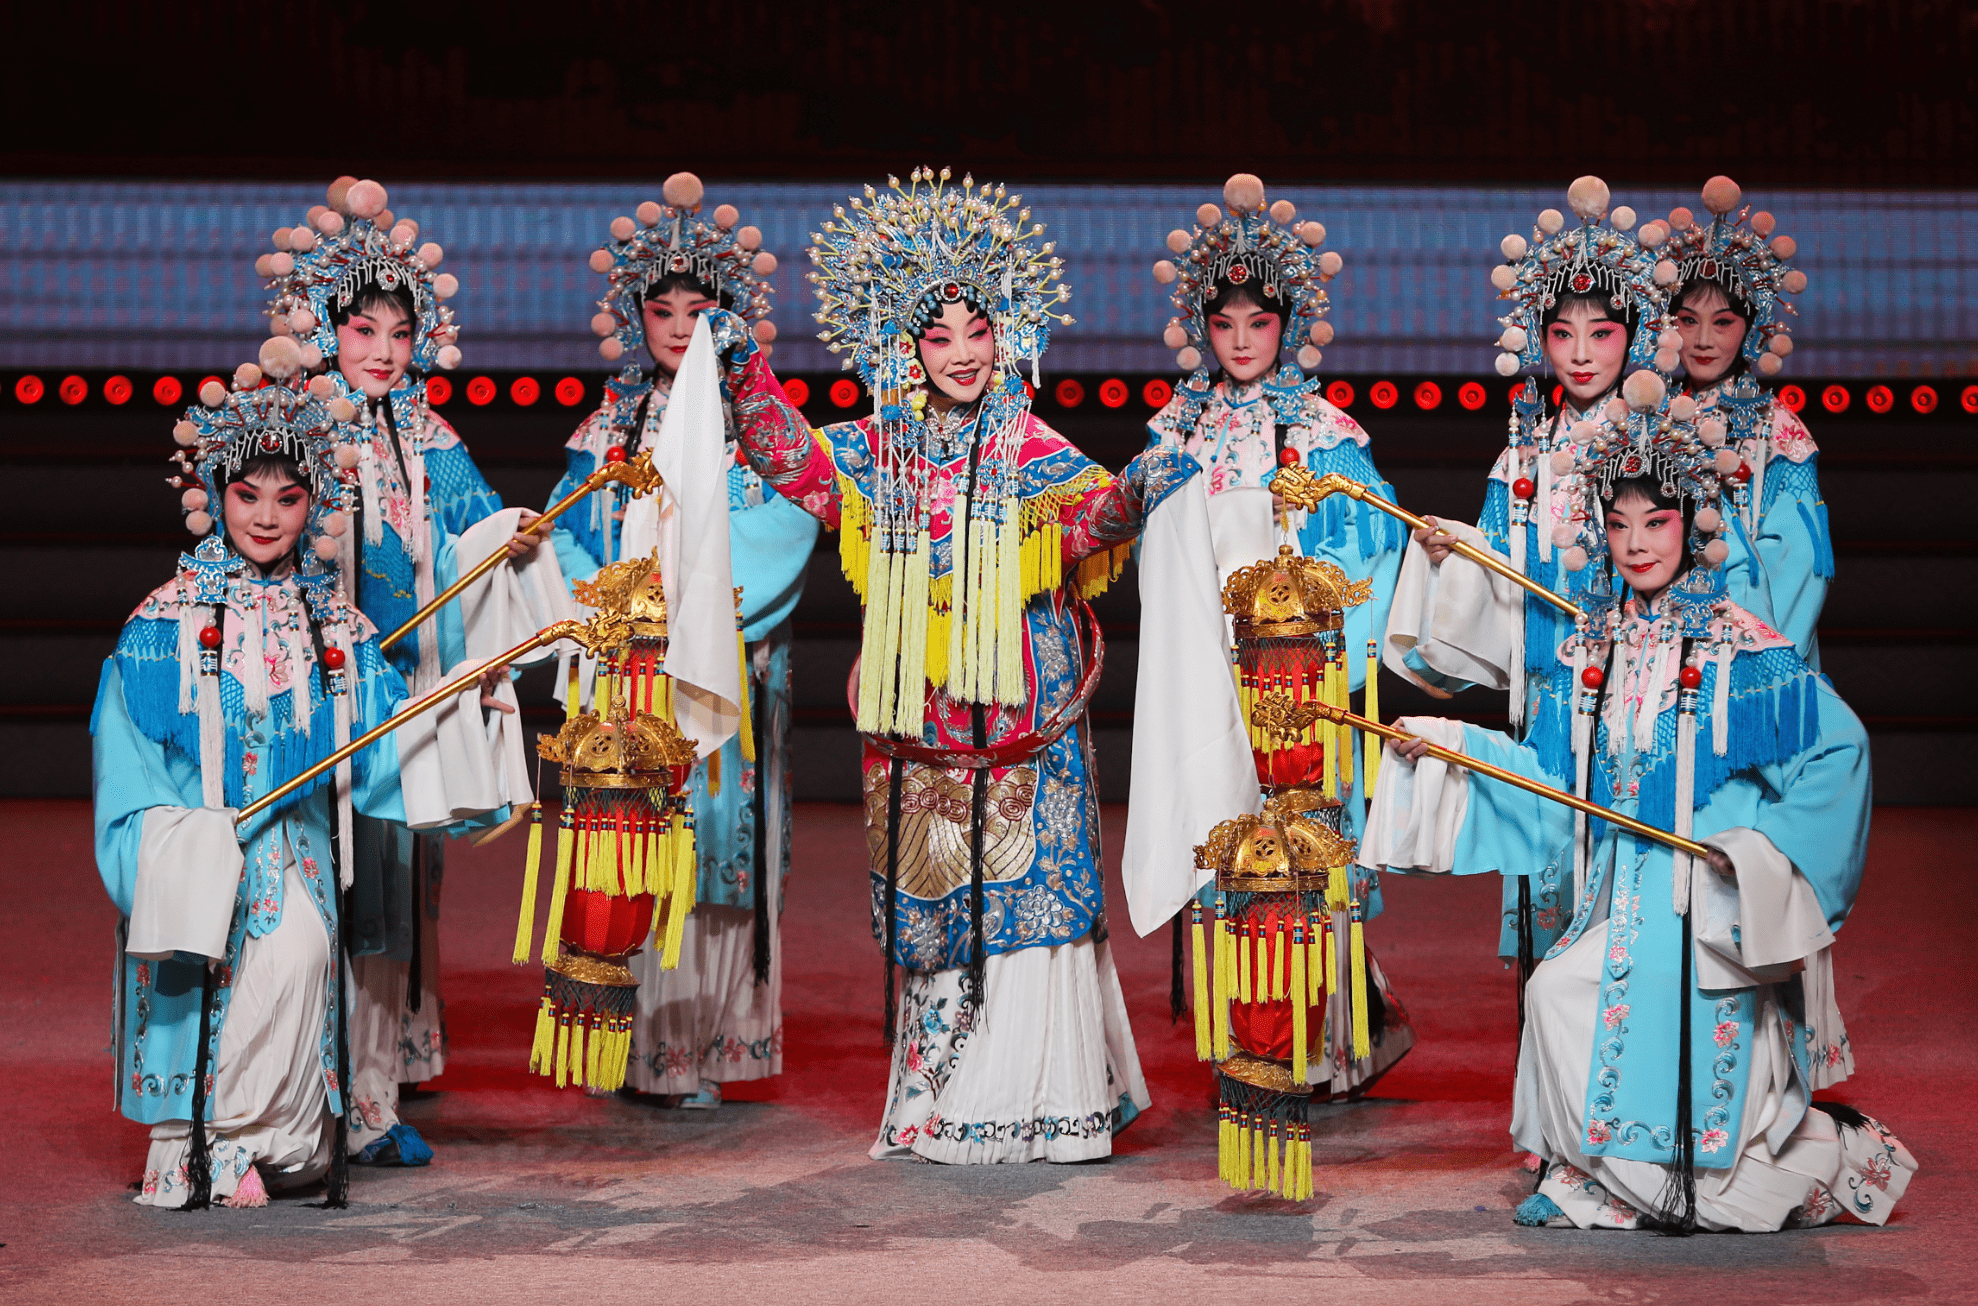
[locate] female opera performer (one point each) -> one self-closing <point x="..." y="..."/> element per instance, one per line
<point x="718" y="1017"/>
<point x="1249" y="283"/>
<point x="353" y="283"/>
<point x="1731" y="318"/>
<point x="232" y="678"/>
<point x="973" y="533"/>
<point x="1676" y="1032"/>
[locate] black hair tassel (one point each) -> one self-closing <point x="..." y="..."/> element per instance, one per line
<point x="199" y="1155"/>
<point x="896" y="780"/>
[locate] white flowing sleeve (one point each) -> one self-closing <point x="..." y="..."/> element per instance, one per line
<point x="1760" y="926"/>
<point x="188" y="872"/>
<point x="1416" y="810"/>
<point x="514" y="601"/>
<point x="1453" y="624"/>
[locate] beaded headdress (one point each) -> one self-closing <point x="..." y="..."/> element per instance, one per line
<point x="1740" y="256"/>
<point x="325" y="263"/>
<point x="1647" y="432"/>
<point x="1245" y="243"/>
<point x="672" y="238"/>
<point x="1588" y="259"/>
<point x="262" y="414"/>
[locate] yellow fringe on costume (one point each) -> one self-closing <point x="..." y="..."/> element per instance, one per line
<point x="525" y="926"/>
<point x="747" y="731"/>
<point x="1299" y="997"/>
<point x="1204" y="1044"/>
<point x="553" y="927"/>
<point x="1371" y="711"/>
<point x="1362" y="1042"/>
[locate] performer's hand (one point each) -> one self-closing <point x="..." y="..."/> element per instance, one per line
<point x="522" y="543"/>
<point x="492" y="680"/>
<point x="1722" y="864"/>
<point x="1415" y="749"/>
<point x="1436" y="541"/>
<point x="734" y="343"/>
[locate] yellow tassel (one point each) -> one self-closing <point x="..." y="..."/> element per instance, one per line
<point x="936" y="639"/>
<point x="1225" y="982"/>
<point x="982" y="612"/>
<point x="713" y="772"/>
<point x="577" y="1052"/>
<point x="889" y="647"/>
<point x="562" y="1052"/>
<point x="1245" y="966"/>
<point x="1277" y="960"/>
<point x="1256" y="1153"/>
<point x="1299" y="993"/>
<point x="542" y="1052"/>
<point x="1315" y="956"/>
<point x="1371" y="710"/>
<point x="747" y="730"/>
<point x="1362" y="1041"/>
<point x="1242" y="1152"/>
<point x="1272" y="1178"/>
<point x="1336" y="887"/>
<point x="1009" y="602"/>
<point x="961" y="572"/>
<point x="1304" y="1163"/>
<point x="635" y="857"/>
<point x="1326" y="686"/>
<point x="877" y="618"/>
<point x="1203" y="1033"/>
<point x="594" y="1046"/>
<point x="608" y="877"/>
<point x="553" y="928"/>
<point x="571" y="695"/>
<point x="1344" y="733"/>
<point x="525" y="925"/>
<point x="912" y="700"/>
<point x="1225" y="1145"/>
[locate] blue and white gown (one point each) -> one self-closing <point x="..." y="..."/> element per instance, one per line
<point x="1779" y="781"/>
<point x="708" y="1020"/>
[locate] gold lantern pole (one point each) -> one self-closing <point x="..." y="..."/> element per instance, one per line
<point x="1301" y="489"/>
<point x="636" y="472"/>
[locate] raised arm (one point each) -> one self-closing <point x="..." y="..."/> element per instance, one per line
<point x="1114" y="510"/>
<point x="780" y="445"/>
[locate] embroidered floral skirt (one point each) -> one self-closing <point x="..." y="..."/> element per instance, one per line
<point x="708" y="1018"/>
<point x="1817" y="1170"/>
<point x="1046" y="1071"/>
<point x="268" y="1103"/>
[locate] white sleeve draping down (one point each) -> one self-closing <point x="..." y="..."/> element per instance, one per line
<point x="1416" y="810"/>
<point x="1459" y="619"/>
<point x="188" y="871"/>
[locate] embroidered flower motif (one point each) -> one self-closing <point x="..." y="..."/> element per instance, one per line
<point x="916" y="1060"/>
<point x="1816" y="1206"/>
<point x="1833" y="1054"/>
<point x="1599" y="1132"/>
<point x="1876" y="1173"/>
<point x="907" y="1136"/>
<point x="1713" y="1140"/>
<point x="1614" y="1015"/>
<point x="250" y="763"/>
<point x="1727" y="1033"/>
<point x="1617" y="953"/>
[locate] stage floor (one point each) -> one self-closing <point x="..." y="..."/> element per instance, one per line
<point x="540" y="1196"/>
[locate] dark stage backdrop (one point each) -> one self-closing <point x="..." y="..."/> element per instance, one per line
<point x="1818" y="93"/>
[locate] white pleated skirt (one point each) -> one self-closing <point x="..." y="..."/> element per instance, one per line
<point x="1045" y="1070"/>
<point x="708" y="1019"/>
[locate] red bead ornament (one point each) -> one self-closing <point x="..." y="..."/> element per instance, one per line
<point x="1742" y="474"/>
<point x="1523" y="488"/>
<point x="615" y="454"/>
<point x="1689" y="677"/>
<point x="1593" y="677"/>
<point x="209" y="637"/>
<point x="333" y="658"/>
<point x="1287" y="457"/>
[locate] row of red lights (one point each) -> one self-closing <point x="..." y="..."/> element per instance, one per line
<point x="1069" y="393"/>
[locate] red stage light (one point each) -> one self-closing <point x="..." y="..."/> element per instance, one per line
<point x="1558" y="394"/>
<point x="481" y="391"/>
<point x="570" y="392"/>
<point x="1428" y="395"/>
<point x="1880" y="398"/>
<point x="1156" y="393"/>
<point x="797" y="391"/>
<point x="844" y="392"/>
<point x="1340" y="394"/>
<point x="438" y="391"/>
<point x="29" y="390"/>
<point x="1969" y="399"/>
<point x="117" y="390"/>
<point x="524" y="390"/>
<point x="1069" y="393"/>
<point x="73" y="390"/>
<point x="1471" y="395"/>
<point x="167" y="390"/>
<point x="1113" y="392"/>
<point x="1792" y="397"/>
<point x="1923" y="399"/>
<point x="1384" y="394"/>
<point x="1835" y="398"/>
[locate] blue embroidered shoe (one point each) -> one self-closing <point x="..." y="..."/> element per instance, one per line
<point x="401" y="1145"/>
<point x="706" y="1100"/>
<point x="1540" y="1212"/>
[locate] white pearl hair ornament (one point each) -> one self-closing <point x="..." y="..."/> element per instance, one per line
<point x="1308" y="358"/>
<point x="430" y="254"/>
<point x="1711" y="431"/>
<point x="1763" y="223"/>
<point x="199" y="523"/>
<point x="185" y="434"/>
<point x="610" y="349"/>
<point x="1715" y="552"/>
<point x="342" y="410"/>
<point x="281" y="357"/>
<point x="1321" y="333"/>
<point x="1727" y="461"/>
<point x="1622" y="219"/>
<point x="1504" y="276"/>
<point x="764" y="263"/>
<point x="1574" y="559"/>
<point x="765" y="331"/>
<point x="212" y="394"/>
<point x="603" y="324"/>
<point x="1709" y="520"/>
<point x="339" y="191"/>
<point x="1313" y="234"/>
<point x="622" y="228"/>
<point x="325" y="547"/>
<point x="446" y="285"/>
<point x="683" y="190"/>
<point x="1769" y="364"/>
<point x="1682" y="408"/>
<point x="193" y="500"/>
<point x="1550" y="220"/>
<point x="1588" y="197"/>
<point x="1721" y="195"/>
<point x="449" y="357"/>
<point x="1208" y="216"/>
<point x="322" y="388"/>
<point x="1507" y="365"/>
<point x="1188" y="359"/>
<point x="1643" y="390"/>
<point x="1175" y="336"/>
<point x="366" y="199"/>
<point x="601" y="260"/>
<point x="1514" y="339"/>
<point x="1178" y="241"/>
<point x="1562" y="462"/>
<point x="1330" y="263"/>
<point x="1164" y="272"/>
<point x="649" y="213"/>
<point x="749" y="237"/>
<point x="1513" y="246"/>
<point x="1283" y="212"/>
<point x="726" y="216"/>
